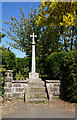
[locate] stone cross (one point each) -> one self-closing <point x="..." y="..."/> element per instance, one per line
<point x="33" y="52"/>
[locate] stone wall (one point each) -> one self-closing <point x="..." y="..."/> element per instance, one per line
<point x="20" y="88"/>
<point x="16" y="89"/>
<point x="53" y="88"/>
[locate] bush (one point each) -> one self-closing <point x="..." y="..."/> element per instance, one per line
<point x="40" y="68"/>
<point x="2" y="86"/>
<point x="19" y="76"/>
<point x="63" y="66"/>
<point x="53" y="65"/>
<point x="8" y="61"/>
<point x="69" y="77"/>
<point x="22" y="67"/>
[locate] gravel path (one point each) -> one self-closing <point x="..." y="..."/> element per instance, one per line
<point x="56" y="109"/>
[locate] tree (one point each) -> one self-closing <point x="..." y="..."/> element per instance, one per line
<point x="19" y="32"/>
<point x="61" y="16"/>
<point x="22" y="67"/>
<point x="8" y="60"/>
<point x="1" y="36"/>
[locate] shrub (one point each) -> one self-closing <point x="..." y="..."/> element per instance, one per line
<point x="23" y="66"/>
<point x="40" y="68"/>
<point x="19" y="76"/>
<point x="8" y="60"/>
<point x="69" y="77"/>
<point x="53" y="65"/>
<point x="63" y="66"/>
<point x="2" y="86"/>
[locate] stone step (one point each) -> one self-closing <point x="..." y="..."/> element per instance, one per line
<point x="37" y="83"/>
<point x="38" y="95"/>
<point x="37" y="89"/>
<point x="41" y="100"/>
<point x="36" y="79"/>
<point x="36" y="86"/>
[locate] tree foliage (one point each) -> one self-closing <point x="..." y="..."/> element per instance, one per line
<point x="1" y="36"/>
<point x="8" y="59"/>
<point x="22" y="68"/>
<point x="19" y="31"/>
<point x="48" y="38"/>
<point x="62" y="17"/>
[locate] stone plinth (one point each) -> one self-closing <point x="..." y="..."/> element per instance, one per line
<point x="37" y="92"/>
<point x="53" y="88"/>
<point x="33" y="75"/>
<point x="8" y="75"/>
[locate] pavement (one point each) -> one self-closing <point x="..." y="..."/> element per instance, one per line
<point x="56" y="109"/>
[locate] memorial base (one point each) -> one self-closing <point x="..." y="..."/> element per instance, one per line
<point x="33" y="75"/>
<point x="36" y="89"/>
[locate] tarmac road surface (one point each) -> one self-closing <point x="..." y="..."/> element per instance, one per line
<point x="56" y="109"/>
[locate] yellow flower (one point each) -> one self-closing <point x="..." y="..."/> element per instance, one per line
<point x="61" y="24"/>
<point x="66" y="25"/>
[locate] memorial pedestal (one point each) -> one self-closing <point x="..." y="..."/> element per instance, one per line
<point x="33" y="75"/>
<point x="36" y="91"/>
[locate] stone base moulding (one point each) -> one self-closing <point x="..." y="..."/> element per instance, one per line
<point x="33" y="75"/>
<point x="53" y="88"/>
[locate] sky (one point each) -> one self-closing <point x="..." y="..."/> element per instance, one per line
<point x="13" y="9"/>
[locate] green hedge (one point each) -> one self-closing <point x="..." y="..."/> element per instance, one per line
<point x="40" y="68"/>
<point x="69" y="77"/>
<point x="53" y="64"/>
<point x="8" y="61"/>
<point x="23" y="66"/>
<point x="63" y="66"/>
